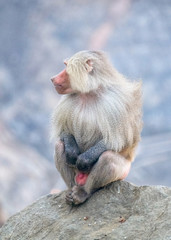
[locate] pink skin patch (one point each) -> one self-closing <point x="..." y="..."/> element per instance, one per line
<point x="81" y="178"/>
<point x="125" y="173"/>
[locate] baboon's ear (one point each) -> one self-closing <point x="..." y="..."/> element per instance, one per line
<point x="66" y="61"/>
<point x="89" y="65"/>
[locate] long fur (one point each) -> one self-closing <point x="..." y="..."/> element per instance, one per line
<point x="104" y="105"/>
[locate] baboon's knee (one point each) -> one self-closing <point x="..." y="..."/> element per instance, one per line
<point x="106" y="157"/>
<point x="59" y="147"/>
<point x="59" y="153"/>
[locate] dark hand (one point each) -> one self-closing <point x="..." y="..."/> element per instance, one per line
<point x="71" y="153"/>
<point x="85" y="163"/>
<point x="71" y="148"/>
<point x="87" y="159"/>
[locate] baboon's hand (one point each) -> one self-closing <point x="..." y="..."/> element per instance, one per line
<point x="71" y="148"/>
<point x="87" y="159"/>
<point x="84" y="163"/>
<point x="71" y="154"/>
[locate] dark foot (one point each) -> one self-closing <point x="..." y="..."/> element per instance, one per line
<point x="68" y="198"/>
<point x="77" y="196"/>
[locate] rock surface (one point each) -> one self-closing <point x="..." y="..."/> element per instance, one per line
<point x="119" y="211"/>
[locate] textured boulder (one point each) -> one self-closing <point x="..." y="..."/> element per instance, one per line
<point x="118" y="211"/>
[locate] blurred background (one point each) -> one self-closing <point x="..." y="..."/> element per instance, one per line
<point x="35" y="37"/>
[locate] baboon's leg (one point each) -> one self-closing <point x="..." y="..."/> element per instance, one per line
<point x="110" y="167"/>
<point x="67" y="172"/>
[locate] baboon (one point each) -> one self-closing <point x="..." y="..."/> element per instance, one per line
<point x="97" y="124"/>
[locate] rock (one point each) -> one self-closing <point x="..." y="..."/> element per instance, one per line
<point x="118" y="211"/>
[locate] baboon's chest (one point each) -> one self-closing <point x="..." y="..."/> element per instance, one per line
<point x="85" y="127"/>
